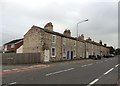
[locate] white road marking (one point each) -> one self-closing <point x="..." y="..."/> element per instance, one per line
<point x="68" y="69"/>
<point x="108" y="71"/>
<point x="14" y="69"/>
<point x="59" y="72"/>
<point x="117" y="65"/>
<point x="83" y="65"/>
<point x="12" y="83"/>
<point x="93" y="82"/>
<point x="87" y="65"/>
<point x="6" y="70"/>
<point x="90" y="64"/>
<point x="102" y="75"/>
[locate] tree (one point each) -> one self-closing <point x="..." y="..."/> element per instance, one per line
<point x="117" y="51"/>
<point x="112" y="50"/>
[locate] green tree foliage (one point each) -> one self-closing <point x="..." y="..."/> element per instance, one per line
<point x="112" y="50"/>
<point x="117" y="51"/>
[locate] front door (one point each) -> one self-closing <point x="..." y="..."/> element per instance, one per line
<point x="67" y="54"/>
<point x="71" y="54"/>
<point x="47" y="56"/>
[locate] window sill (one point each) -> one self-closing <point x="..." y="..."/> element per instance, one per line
<point x="53" y="56"/>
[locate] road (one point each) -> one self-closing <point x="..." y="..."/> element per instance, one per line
<point x="87" y="72"/>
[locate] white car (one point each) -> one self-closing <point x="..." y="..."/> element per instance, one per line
<point x="112" y="55"/>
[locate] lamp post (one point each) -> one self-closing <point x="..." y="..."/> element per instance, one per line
<point x="79" y="23"/>
<point x="77" y="34"/>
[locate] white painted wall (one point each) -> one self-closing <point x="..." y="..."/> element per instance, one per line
<point x="20" y="49"/>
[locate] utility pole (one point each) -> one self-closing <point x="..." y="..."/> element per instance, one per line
<point x="77" y="35"/>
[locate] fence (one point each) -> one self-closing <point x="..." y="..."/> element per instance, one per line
<point x="20" y="58"/>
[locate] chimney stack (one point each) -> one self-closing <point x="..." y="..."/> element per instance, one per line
<point x="49" y="26"/>
<point x="105" y="45"/>
<point x="100" y="42"/>
<point x="89" y="39"/>
<point x="67" y="33"/>
<point x="81" y="37"/>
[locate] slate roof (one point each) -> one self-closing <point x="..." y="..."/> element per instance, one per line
<point x="56" y="33"/>
<point x="14" y="41"/>
<point x="62" y="35"/>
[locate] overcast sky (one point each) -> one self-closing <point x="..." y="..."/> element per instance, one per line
<point x="18" y="16"/>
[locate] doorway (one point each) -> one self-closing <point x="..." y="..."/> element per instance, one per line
<point x="46" y="56"/>
<point x="71" y="54"/>
<point x="67" y="54"/>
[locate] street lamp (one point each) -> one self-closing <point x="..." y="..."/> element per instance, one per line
<point x="79" y="23"/>
<point x="77" y="34"/>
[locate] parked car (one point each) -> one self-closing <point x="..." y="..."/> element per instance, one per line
<point x="109" y="55"/>
<point x="112" y="55"/>
<point x="98" y="56"/>
<point x="90" y="56"/>
<point x="95" y="57"/>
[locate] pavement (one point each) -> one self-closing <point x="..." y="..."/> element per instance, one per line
<point x="88" y="72"/>
<point x="11" y="67"/>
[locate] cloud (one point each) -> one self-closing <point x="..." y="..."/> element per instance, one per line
<point x="18" y="16"/>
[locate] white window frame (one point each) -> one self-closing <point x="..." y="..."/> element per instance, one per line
<point x="55" y="52"/>
<point x="54" y="39"/>
<point x="12" y="45"/>
<point x="64" y="41"/>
